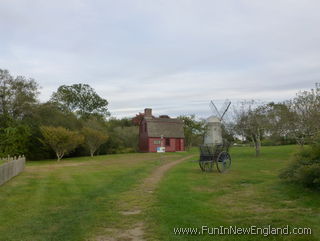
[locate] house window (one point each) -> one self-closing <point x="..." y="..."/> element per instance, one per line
<point x="167" y="142"/>
<point x="145" y="127"/>
<point x="157" y="142"/>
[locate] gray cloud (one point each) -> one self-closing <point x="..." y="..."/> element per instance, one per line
<point x="173" y="56"/>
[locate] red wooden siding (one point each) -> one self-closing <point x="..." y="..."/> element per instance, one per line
<point x="154" y="142"/>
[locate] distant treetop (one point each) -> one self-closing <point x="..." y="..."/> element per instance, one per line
<point x="80" y="99"/>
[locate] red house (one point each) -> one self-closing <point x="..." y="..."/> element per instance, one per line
<point x="160" y="132"/>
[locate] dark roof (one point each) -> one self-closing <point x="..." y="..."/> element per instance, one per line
<point x="164" y="126"/>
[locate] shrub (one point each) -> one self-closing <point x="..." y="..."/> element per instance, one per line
<point x="268" y="142"/>
<point x="14" y="140"/>
<point x="305" y="168"/>
<point x="61" y="140"/>
<point x="93" y="139"/>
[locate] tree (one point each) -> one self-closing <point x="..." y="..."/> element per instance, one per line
<point x="251" y="122"/>
<point x="123" y="122"/>
<point x="193" y="130"/>
<point x="305" y="107"/>
<point x="305" y="166"/>
<point x="126" y="137"/>
<point x="81" y="99"/>
<point x="17" y="96"/>
<point x="61" y="140"/>
<point x="138" y="118"/>
<point x="14" y="140"/>
<point x="47" y="114"/>
<point x="93" y="139"/>
<point x="279" y="122"/>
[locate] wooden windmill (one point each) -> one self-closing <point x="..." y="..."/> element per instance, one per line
<point x="214" y="131"/>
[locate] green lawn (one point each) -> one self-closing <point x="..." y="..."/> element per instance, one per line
<point x="72" y="199"/>
<point x="249" y="194"/>
<point x="82" y="198"/>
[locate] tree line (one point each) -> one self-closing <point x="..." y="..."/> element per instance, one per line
<point x="75" y="121"/>
<point x="294" y="121"/>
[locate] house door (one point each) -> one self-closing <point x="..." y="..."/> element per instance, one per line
<point x="178" y="145"/>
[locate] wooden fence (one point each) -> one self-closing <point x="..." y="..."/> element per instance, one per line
<point x="11" y="167"/>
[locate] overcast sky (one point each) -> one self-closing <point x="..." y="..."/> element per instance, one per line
<point x="169" y="55"/>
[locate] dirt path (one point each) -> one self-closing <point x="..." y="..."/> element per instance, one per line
<point x="134" y="203"/>
<point x="157" y="174"/>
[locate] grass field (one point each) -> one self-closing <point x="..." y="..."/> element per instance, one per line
<point x="125" y="197"/>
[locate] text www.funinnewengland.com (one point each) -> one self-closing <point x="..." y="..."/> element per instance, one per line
<point x="235" y="230"/>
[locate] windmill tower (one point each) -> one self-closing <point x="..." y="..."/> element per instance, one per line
<point x="214" y="131"/>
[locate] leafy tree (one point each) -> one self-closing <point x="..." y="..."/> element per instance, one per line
<point x="123" y="122"/>
<point x="14" y="140"/>
<point x="193" y="130"/>
<point x="81" y="99"/>
<point x="138" y="118"/>
<point x="279" y="122"/>
<point x="17" y="96"/>
<point x="305" y="107"/>
<point x="93" y="139"/>
<point x="251" y="122"/>
<point x="127" y="137"/>
<point x="61" y="140"/>
<point x="121" y="139"/>
<point x="305" y="167"/>
<point x="47" y="114"/>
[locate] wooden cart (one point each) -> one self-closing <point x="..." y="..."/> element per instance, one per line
<point x="215" y="155"/>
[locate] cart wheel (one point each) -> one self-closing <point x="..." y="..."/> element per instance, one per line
<point x="207" y="166"/>
<point x="201" y="165"/>
<point x="223" y="161"/>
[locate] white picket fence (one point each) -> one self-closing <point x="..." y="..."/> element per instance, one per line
<point x="11" y="167"/>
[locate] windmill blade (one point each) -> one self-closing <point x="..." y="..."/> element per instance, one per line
<point x="224" y="105"/>
<point x="214" y="109"/>
<point x="226" y="109"/>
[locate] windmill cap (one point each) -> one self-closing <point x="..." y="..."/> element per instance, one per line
<point x="213" y="119"/>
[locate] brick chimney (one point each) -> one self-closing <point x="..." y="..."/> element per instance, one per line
<point x="147" y="112"/>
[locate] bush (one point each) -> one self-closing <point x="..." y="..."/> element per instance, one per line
<point x="305" y="168"/>
<point x="269" y="142"/>
<point x="93" y="139"/>
<point x="14" y="140"/>
<point x="305" y="172"/>
<point x="61" y="140"/>
<point x="277" y="141"/>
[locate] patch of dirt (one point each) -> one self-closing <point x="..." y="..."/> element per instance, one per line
<point x="132" y="212"/>
<point x="156" y="176"/>
<point x="209" y="189"/>
<point x="134" y="234"/>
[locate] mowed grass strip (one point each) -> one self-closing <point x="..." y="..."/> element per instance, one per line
<point x="71" y="199"/>
<point x="249" y="194"/>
